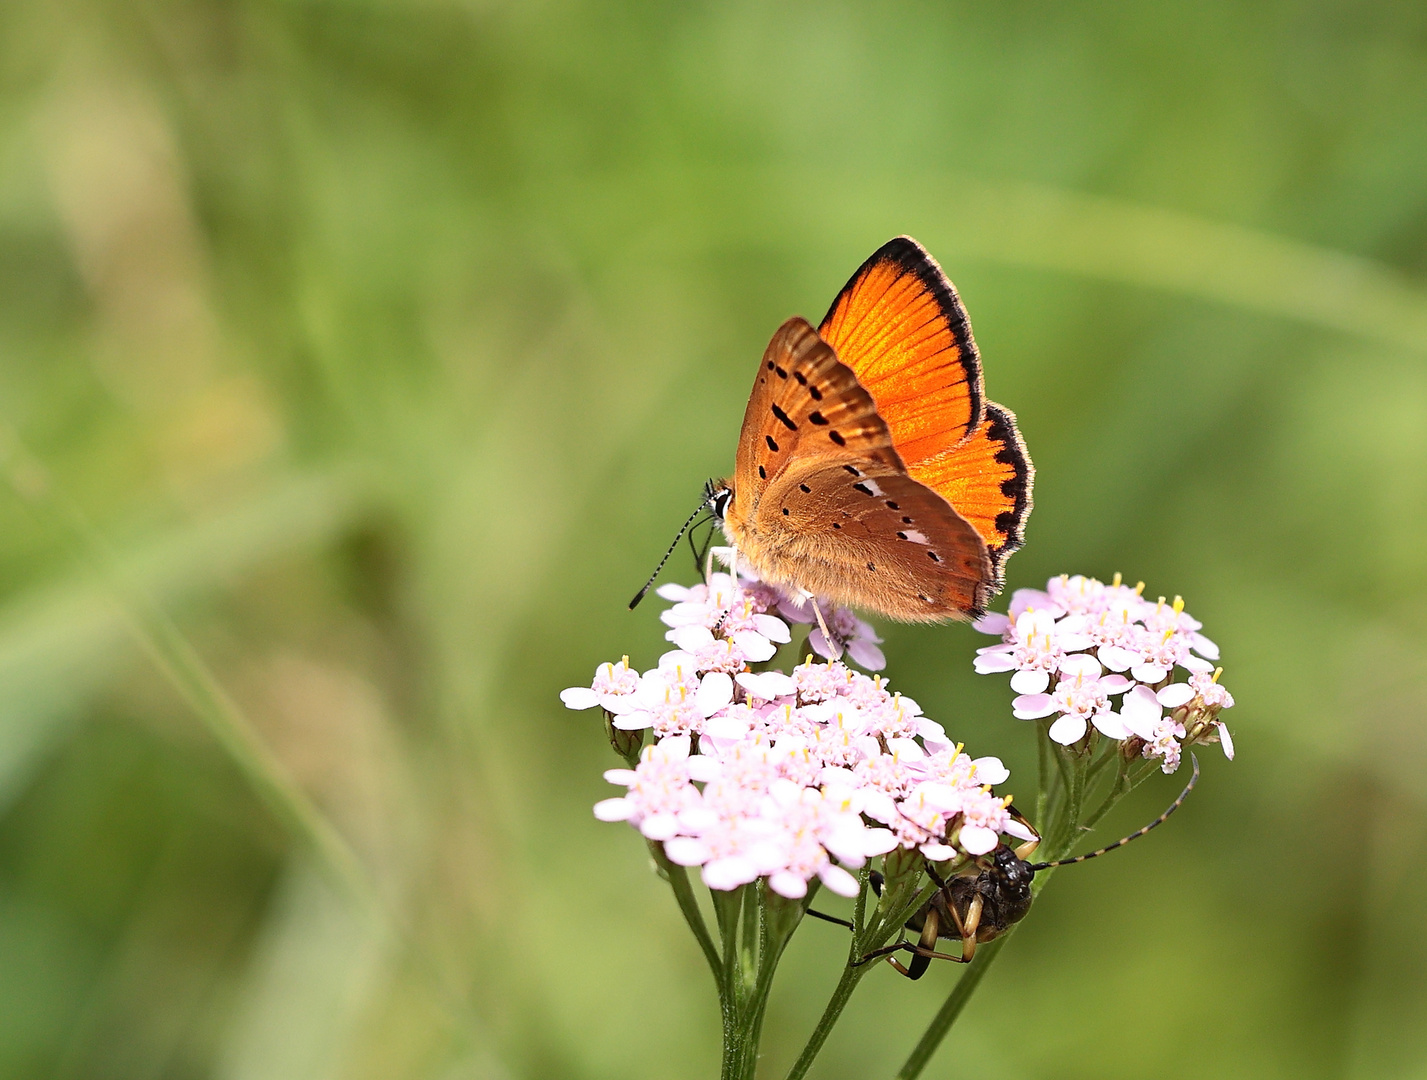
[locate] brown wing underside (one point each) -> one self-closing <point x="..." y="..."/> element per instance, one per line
<point x="873" y="538"/>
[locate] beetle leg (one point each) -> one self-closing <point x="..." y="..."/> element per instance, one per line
<point x="829" y="918"/>
<point x="968" y="936"/>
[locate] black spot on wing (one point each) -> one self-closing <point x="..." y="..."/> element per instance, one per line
<point x="837" y="438"/>
<point x="762" y="473"/>
<point x="817" y="418"/>
<point x="892" y="506"/>
<point x="853" y="469"/>
<point x="771" y="444"/>
<point x="783" y="419"/>
<point x="817" y="394"/>
<point x="805" y="489"/>
<point x="859" y="486"/>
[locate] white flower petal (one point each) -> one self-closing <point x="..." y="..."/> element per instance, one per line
<point x="991" y="770"/>
<point x="937" y="851"/>
<point x="993" y="622"/>
<point x="1030" y="682"/>
<point x="767" y="685"/>
<point x="1175" y="694"/>
<point x="1225" y="740"/>
<point x="866" y="654"/>
<point x="614" y="809"/>
<point x="1032" y="706"/>
<point x="1141" y="712"/>
<point x="786" y="883"/>
<point x="686" y="851"/>
<point x="1111" y="725"/>
<point x="660" y="826"/>
<point x="772" y="627"/>
<point x="978" y="840"/>
<point x="754" y="646"/>
<point x="1020" y="830"/>
<point x="1080" y="665"/>
<point x="992" y="660"/>
<point x="838" y="880"/>
<point x="1068" y="729"/>
<point x="1115" y="684"/>
<point x="1149" y="673"/>
<point x="633" y="721"/>
<point x="1117" y="658"/>
<point x="714" y="693"/>
<point x="1203" y="646"/>
<point x="579" y="697"/>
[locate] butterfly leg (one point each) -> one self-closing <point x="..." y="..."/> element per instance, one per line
<point x="828" y="639"/>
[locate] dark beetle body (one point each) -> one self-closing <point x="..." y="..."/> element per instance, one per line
<point x="1005" y="891"/>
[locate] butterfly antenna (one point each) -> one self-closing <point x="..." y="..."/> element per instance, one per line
<point x="700" y="550"/>
<point x="654" y="576"/>
<point x="1134" y="835"/>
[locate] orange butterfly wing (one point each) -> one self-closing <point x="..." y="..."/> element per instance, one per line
<point x="988" y="478"/>
<point x="899" y="325"/>
<point x="822" y="501"/>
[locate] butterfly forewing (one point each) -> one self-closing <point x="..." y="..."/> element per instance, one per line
<point x="901" y="328"/>
<point x="805" y="403"/>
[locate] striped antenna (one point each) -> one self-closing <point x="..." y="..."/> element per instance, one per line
<point x="703" y="505"/>
<point x="1134" y="835"/>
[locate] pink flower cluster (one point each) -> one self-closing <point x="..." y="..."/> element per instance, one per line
<point x="1102" y="656"/>
<point x="783" y="776"/>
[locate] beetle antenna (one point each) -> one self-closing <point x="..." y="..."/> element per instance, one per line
<point x="703" y="505"/>
<point x="1134" y="835"/>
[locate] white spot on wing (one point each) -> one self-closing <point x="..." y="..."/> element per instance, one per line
<point x="916" y="537"/>
<point x="872" y="486"/>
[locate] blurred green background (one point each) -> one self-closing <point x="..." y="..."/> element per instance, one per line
<point x="385" y="344"/>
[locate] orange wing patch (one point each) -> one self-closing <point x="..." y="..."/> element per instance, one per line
<point x="899" y="325"/>
<point x="988" y="479"/>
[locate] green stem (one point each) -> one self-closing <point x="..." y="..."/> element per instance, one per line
<point x="678" y="879"/>
<point x="951" y="1009"/>
<point x="727" y="907"/>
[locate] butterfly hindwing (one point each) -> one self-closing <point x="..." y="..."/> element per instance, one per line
<point x="988" y="478"/>
<point x="870" y="536"/>
<point x="901" y="328"/>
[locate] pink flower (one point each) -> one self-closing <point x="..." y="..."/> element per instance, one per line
<point x="613" y="689"/>
<point x="659" y="790"/>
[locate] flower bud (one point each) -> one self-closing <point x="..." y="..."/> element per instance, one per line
<point x="627" y="744"/>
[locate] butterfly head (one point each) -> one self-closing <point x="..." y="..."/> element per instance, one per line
<point x="717" y="495"/>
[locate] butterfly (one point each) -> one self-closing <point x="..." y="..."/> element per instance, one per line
<point x="871" y="470"/>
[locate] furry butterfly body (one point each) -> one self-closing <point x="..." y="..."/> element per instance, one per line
<point x="870" y="468"/>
